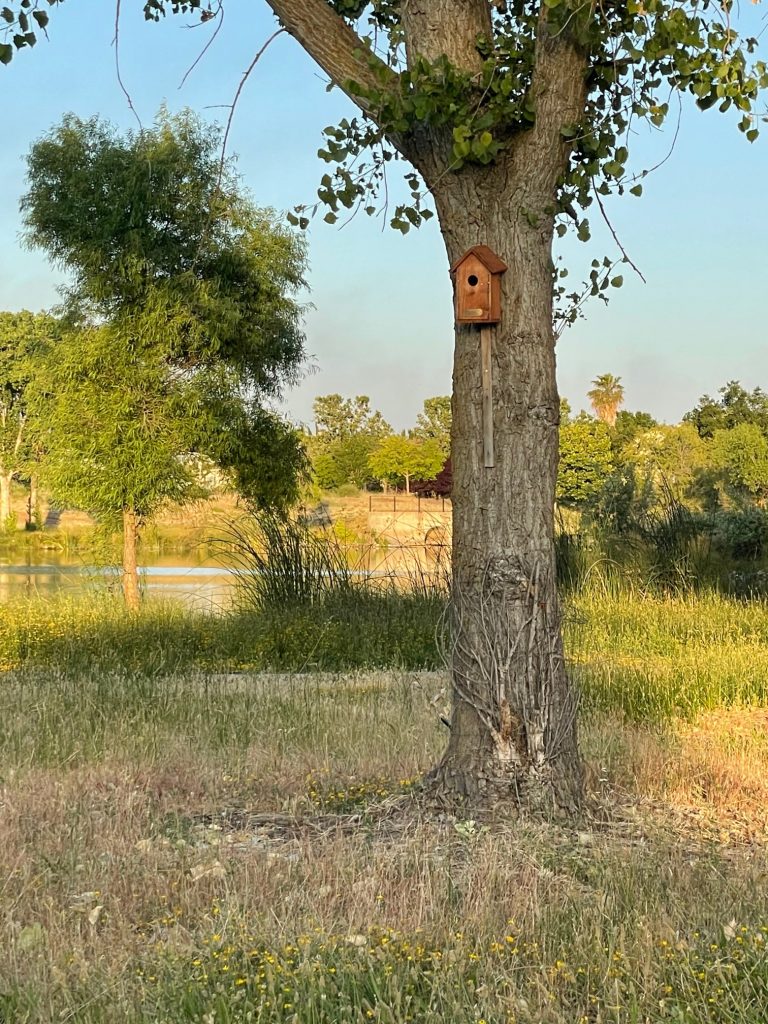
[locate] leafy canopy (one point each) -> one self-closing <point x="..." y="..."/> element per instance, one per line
<point x="346" y="432"/>
<point x="434" y="423"/>
<point x="403" y="458"/>
<point x="735" y="406"/>
<point x="639" y="55"/>
<point x="742" y="452"/>
<point x="181" y="310"/>
<point x="586" y="461"/>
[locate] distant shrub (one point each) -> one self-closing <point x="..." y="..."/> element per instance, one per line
<point x="348" y="491"/>
<point x="741" y="533"/>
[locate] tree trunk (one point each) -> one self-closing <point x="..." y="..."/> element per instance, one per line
<point x="5" y="502"/>
<point x="130" y="564"/>
<point x="513" y="729"/>
<point x="407" y="483"/>
<point x="34" y="518"/>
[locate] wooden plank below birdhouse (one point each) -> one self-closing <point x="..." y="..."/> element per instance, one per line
<point x="486" y="335"/>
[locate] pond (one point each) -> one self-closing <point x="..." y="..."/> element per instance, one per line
<point x="194" y="582"/>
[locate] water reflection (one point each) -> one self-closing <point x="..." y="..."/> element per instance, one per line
<point x="201" y="582"/>
<point x="48" y="573"/>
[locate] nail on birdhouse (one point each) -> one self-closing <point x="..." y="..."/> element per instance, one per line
<point x="477" y="286"/>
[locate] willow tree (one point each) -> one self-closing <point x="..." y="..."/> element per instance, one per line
<point x="181" y="322"/>
<point x="511" y="115"/>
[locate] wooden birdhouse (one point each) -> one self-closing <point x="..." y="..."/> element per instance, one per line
<point x="477" y="286"/>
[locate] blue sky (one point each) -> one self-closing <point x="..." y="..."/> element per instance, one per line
<point x="381" y="322"/>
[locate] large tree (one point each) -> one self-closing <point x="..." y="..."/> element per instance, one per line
<point x="586" y="461"/>
<point x="182" y="321"/>
<point x="512" y="114"/>
<point x="741" y="452"/>
<point x="347" y="430"/>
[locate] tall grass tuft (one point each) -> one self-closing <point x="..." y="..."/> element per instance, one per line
<point x="283" y="562"/>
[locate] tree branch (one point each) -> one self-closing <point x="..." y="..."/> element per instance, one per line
<point x="339" y="50"/>
<point x="559" y="93"/>
<point x="449" y="29"/>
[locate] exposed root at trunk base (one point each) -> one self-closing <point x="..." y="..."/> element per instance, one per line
<point x="493" y="790"/>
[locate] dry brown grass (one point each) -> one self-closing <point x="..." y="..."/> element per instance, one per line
<point x="167" y="831"/>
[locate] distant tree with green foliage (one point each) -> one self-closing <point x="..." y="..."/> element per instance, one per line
<point x="434" y="423"/>
<point x="586" y="461"/>
<point x="671" y="457"/>
<point x="24" y="337"/>
<point x="742" y="454"/>
<point x="398" y="458"/>
<point x="605" y="397"/>
<point x="347" y="430"/>
<point x="183" y="320"/>
<point x="735" y="406"/>
<point x="627" y="427"/>
<point x="337" y="418"/>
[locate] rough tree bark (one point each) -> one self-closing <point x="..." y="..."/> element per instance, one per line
<point x="130" y="578"/>
<point x="513" y="725"/>
<point x="513" y="729"/>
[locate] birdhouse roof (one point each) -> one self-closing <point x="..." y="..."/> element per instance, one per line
<point x="486" y="256"/>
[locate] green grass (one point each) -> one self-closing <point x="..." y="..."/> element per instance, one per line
<point x="648" y="657"/>
<point x="363" y="629"/>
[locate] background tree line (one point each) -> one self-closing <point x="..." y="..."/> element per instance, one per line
<point x="352" y="446"/>
<point x="617" y="467"/>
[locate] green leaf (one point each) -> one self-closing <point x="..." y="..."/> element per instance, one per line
<point x="6" y="53"/>
<point x="705" y="102"/>
<point x="7" y="15"/>
<point x="636" y="190"/>
<point x="617" y="281"/>
<point x="41" y="18"/>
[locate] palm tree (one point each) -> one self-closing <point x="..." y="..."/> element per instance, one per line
<point x="606" y="396"/>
